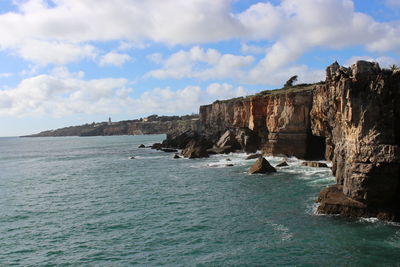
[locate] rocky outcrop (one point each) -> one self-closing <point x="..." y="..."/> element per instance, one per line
<point x="261" y="166"/>
<point x="196" y="148"/>
<point x="358" y="112"/>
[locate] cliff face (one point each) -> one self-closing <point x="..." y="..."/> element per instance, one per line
<point x="353" y="120"/>
<point x="357" y="110"/>
<point x="281" y="119"/>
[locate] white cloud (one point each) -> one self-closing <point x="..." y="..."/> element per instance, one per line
<point x="5" y="74"/>
<point x="155" y="57"/>
<point x="114" y="59"/>
<point x="252" y="49"/>
<point x="226" y="91"/>
<point x="43" y="52"/>
<point x="384" y="62"/>
<point x="202" y="64"/>
<point x="63" y="93"/>
<point x="211" y="65"/>
<point x="393" y="3"/>
<point x="60" y="34"/>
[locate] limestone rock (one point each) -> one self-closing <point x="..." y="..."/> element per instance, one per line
<point x="333" y="201"/>
<point x="261" y="166"/>
<point x="228" y="139"/>
<point x="196" y="149"/>
<point x="357" y="112"/>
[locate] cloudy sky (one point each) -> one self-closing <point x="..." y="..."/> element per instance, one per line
<point x="69" y="62"/>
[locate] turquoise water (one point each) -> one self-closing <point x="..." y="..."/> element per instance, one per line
<point x="82" y="202"/>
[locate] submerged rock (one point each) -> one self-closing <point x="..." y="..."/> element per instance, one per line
<point x="282" y="164"/>
<point x="261" y="166"/>
<point x="314" y="164"/>
<point x="132" y="158"/>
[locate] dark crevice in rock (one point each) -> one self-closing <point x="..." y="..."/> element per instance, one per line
<point x="316" y="147"/>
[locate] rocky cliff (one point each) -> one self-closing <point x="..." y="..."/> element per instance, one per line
<point x="281" y="118"/>
<point x="358" y="112"/>
<point x="351" y="119"/>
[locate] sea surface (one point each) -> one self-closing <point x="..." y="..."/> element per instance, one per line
<point x="81" y="201"/>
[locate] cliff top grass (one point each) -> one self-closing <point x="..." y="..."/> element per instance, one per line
<point x="292" y="89"/>
<point x="304" y="87"/>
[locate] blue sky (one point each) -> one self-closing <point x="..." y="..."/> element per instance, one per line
<point x="66" y="62"/>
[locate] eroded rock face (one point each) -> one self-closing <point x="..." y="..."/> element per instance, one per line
<point x="278" y="122"/>
<point x="196" y="148"/>
<point x="357" y="111"/>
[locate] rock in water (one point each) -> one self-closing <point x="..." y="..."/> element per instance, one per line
<point x="261" y="166"/>
<point x="142" y="146"/>
<point x="314" y="164"/>
<point x="156" y="146"/>
<point x="132" y="158"/>
<point x="196" y="149"/>
<point x="282" y="164"/>
<point x="176" y="156"/>
<point x="254" y="156"/>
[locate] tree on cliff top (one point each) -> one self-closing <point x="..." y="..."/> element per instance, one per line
<point x="393" y="67"/>
<point x="290" y="82"/>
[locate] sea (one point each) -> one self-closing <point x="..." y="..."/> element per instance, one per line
<point x="82" y="201"/>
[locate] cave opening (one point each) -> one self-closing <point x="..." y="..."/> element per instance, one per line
<point x="316" y="147"/>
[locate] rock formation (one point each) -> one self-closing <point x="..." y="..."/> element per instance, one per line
<point x="261" y="166"/>
<point x="358" y="112"/>
<point x="351" y="119"/>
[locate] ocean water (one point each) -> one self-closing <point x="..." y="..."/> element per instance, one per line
<point x="82" y="202"/>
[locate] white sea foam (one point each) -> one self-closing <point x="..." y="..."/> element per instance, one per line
<point x="369" y="220"/>
<point x="149" y="157"/>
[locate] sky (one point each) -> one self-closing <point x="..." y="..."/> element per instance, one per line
<point x="71" y="62"/>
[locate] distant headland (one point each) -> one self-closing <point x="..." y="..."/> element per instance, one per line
<point x="153" y="124"/>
